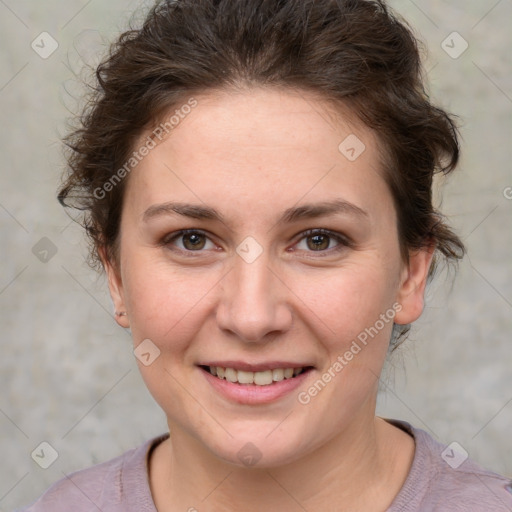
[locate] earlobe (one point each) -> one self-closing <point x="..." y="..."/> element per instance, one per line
<point x="412" y="287"/>
<point x="115" y="286"/>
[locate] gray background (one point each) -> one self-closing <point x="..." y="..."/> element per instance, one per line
<point x="68" y="375"/>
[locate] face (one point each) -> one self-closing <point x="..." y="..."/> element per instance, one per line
<point x="250" y="242"/>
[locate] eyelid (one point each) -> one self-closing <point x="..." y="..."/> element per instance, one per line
<point x="170" y="237"/>
<point x="176" y="234"/>
<point x="343" y="241"/>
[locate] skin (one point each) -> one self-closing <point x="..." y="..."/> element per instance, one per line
<point x="252" y="155"/>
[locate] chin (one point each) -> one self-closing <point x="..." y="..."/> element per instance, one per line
<point x="262" y="446"/>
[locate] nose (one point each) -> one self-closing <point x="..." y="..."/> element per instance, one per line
<point x="253" y="304"/>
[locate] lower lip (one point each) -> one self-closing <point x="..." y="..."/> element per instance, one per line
<point x="252" y="393"/>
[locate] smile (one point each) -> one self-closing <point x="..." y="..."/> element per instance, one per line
<point x="260" y="378"/>
<point x="253" y="384"/>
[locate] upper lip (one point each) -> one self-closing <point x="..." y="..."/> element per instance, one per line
<point x="255" y="367"/>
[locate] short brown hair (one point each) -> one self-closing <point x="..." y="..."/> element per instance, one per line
<point x="355" y="52"/>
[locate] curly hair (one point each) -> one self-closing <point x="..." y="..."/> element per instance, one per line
<point x="356" y="53"/>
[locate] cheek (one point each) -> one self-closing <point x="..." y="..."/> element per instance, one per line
<point x="165" y="305"/>
<point x="349" y="300"/>
<point x="352" y="315"/>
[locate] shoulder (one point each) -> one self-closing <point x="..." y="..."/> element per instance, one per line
<point x="106" y="486"/>
<point x="443" y="478"/>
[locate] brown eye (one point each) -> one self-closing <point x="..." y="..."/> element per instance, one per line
<point x="188" y="241"/>
<point x="322" y="241"/>
<point x="194" y="241"/>
<point x="318" y="242"/>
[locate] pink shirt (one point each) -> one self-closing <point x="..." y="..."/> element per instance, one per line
<point x="436" y="482"/>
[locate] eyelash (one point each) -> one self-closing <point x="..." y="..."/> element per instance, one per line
<point x="343" y="241"/>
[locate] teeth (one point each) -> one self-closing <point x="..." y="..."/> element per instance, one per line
<point x="277" y="374"/>
<point x="258" y="378"/>
<point x="231" y="375"/>
<point x="245" y="377"/>
<point x="263" y="378"/>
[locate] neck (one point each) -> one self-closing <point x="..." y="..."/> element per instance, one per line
<point x="361" y="468"/>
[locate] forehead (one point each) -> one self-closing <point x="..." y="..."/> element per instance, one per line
<point x="261" y="149"/>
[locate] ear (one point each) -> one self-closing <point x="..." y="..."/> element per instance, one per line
<point x="115" y="285"/>
<point x="412" y="286"/>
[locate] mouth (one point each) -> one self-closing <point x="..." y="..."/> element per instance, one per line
<point x="244" y="377"/>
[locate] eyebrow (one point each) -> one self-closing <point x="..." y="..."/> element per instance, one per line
<point x="307" y="211"/>
<point x="184" y="209"/>
<point x="322" y="209"/>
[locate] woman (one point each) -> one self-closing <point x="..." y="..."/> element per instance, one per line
<point x="256" y="177"/>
